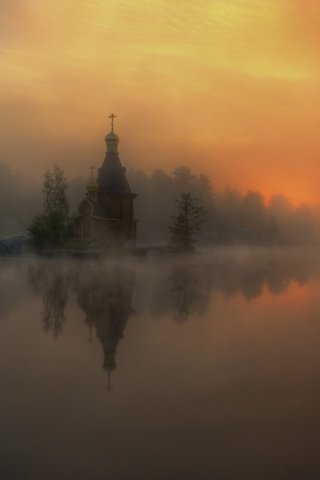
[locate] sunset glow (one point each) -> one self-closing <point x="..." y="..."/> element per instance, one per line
<point x="229" y="88"/>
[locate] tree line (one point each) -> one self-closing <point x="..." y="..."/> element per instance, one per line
<point x="231" y="217"/>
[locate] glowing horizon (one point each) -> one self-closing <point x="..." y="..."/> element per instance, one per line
<point x="227" y="87"/>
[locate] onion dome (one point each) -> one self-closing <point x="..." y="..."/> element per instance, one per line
<point x="92" y="186"/>
<point x="112" y="137"/>
<point x="112" y="141"/>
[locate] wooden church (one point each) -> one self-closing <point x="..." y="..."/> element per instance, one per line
<point x="106" y="215"/>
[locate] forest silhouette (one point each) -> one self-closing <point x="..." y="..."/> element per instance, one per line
<point x="232" y="217"/>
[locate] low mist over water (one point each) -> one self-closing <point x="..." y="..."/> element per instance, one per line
<point x="201" y="367"/>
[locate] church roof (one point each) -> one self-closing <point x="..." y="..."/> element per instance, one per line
<point x="111" y="176"/>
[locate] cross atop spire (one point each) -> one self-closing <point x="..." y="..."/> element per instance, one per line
<point x="112" y="116"/>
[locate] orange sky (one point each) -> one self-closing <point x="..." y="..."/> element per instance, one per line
<point x="227" y="87"/>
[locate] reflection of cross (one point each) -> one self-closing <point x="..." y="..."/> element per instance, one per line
<point x="92" y="168"/>
<point x="112" y="116"/>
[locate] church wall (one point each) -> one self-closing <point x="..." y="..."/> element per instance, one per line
<point x="127" y="207"/>
<point x="118" y="205"/>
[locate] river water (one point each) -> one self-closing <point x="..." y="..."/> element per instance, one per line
<point x="205" y="367"/>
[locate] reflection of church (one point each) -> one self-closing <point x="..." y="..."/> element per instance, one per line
<point x="106" y="215"/>
<point x="105" y="295"/>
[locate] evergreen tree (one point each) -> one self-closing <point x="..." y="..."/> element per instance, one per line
<point x="187" y="222"/>
<point x="54" y="226"/>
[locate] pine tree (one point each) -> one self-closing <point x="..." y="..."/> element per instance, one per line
<point x="54" y="226"/>
<point x="186" y="223"/>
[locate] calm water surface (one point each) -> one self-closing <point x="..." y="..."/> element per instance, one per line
<point x="199" y="368"/>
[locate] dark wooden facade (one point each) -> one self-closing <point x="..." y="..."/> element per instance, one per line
<point x="106" y="215"/>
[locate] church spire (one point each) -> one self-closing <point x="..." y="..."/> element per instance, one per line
<point x="111" y="176"/>
<point x="112" y="138"/>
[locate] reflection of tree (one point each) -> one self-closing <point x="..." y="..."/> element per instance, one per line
<point x="277" y="280"/>
<point x="252" y="281"/>
<point x="181" y="291"/>
<point x="188" y="295"/>
<point x="105" y="295"/>
<point x="180" y="287"/>
<point x="51" y="282"/>
<point x="250" y="274"/>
